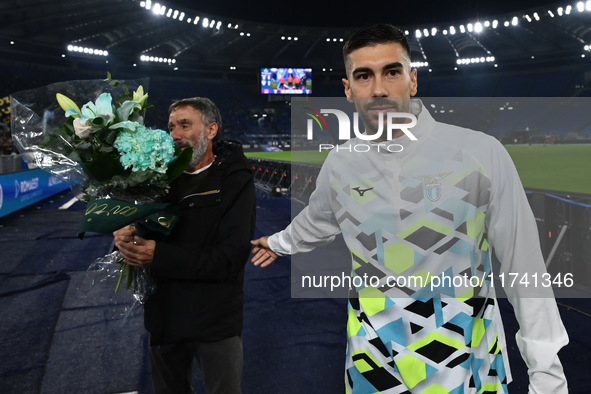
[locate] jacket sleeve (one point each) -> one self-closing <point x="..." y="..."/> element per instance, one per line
<point x="513" y="233"/>
<point x="314" y="226"/>
<point x="219" y="260"/>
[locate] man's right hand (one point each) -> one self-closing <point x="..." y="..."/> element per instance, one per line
<point x="124" y="234"/>
<point x="263" y="255"/>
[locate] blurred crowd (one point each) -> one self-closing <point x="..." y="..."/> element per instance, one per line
<point x="6" y="145"/>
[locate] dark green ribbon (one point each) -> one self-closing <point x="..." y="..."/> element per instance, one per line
<point x="105" y="216"/>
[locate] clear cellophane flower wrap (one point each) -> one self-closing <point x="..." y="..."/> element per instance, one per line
<point x="110" y="160"/>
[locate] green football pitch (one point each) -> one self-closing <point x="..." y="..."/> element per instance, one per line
<point x="564" y="168"/>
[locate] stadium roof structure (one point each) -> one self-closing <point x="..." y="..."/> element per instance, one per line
<point x="232" y="36"/>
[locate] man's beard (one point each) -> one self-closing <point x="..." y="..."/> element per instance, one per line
<point x="371" y="121"/>
<point x="199" y="145"/>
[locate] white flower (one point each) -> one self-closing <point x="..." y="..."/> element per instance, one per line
<point x="83" y="128"/>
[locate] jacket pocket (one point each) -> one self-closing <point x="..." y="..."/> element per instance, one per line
<point x="203" y="199"/>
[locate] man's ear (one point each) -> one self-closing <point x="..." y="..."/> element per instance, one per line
<point x="347" y="87"/>
<point x="211" y="130"/>
<point x="413" y="82"/>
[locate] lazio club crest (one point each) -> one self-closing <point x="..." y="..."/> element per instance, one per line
<point x="433" y="185"/>
<point x="433" y="191"/>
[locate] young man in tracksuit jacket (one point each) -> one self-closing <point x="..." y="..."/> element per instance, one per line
<point x="434" y="209"/>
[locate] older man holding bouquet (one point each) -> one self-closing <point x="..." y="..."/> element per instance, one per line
<point x="197" y="307"/>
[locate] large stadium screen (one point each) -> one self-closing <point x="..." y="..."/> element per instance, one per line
<point x="286" y="80"/>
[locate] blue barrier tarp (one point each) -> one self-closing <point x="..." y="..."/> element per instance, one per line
<point x="20" y="189"/>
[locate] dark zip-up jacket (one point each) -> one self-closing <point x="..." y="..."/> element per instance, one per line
<point x="199" y="268"/>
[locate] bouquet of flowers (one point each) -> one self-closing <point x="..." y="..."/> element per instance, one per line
<point x="106" y="154"/>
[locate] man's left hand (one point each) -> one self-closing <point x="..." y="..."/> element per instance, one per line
<point x="138" y="252"/>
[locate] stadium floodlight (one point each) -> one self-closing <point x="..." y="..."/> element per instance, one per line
<point x="536" y="16"/>
<point x="418" y="33"/>
<point x="426" y="32"/>
<point x="452" y="30"/>
<point x="568" y="9"/>
<point x="478" y="27"/>
<point x="580" y="6"/>
<point x="157" y="59"/>
<point x="89" y="51"/>
<point x="475" y="60"/>
<point x="560" y="11"/>
<point x="551" y="14"/>
<point x="514" y="21"/>
<point x="158" y="9"/>
<point x="196" y="20"/>
<point x="588" y="5"/>
<point x="205" y="22"/>
<point x="433" y="31"/>
<point x="169" y="13"/>
<point x="528" y="18"/>
<point x="495" y="23"/>
<point x="181" y="16"/>
<point x="462" y="29"/>
<point x="470" y="27"/>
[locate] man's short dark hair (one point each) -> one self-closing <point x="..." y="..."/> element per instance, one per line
<point x="373" y="35"/>
<point x="209" y="111"/>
